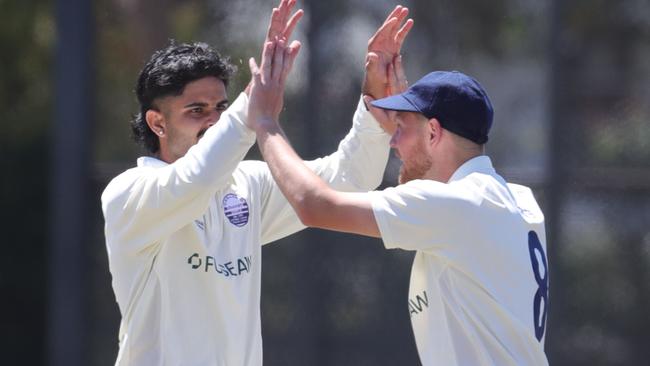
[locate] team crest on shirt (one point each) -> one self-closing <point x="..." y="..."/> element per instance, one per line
<point x="236" y="209"/>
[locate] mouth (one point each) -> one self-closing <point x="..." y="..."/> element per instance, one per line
<point x="201" y="133"/>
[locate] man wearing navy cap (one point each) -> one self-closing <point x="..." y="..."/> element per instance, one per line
<point x="479" y="282"/>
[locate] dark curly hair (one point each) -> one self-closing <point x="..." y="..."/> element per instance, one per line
<point x="167" y="73"/>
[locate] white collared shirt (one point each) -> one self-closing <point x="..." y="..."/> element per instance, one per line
<point x="184" y="241"/>
<point x="479" y="281"/>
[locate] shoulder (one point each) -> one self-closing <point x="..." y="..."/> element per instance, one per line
<point x="433" y="193"/>
<point x="526" y="202"/>
<point x="122" y="184"/>
<point x="462" y="190"/>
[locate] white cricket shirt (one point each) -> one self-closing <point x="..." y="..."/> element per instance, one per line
<point x="479" y="283"/>
<point x="184" y="241"/>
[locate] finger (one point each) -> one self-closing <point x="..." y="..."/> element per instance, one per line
<point x="391" y="78"/>
<point x="255" y="75"/>
<point x="287" y="6"/>
<point x="372" y="60"/>
<point x="290" y="5"/>
<point x="402" y="33"/>
<point x="291" y="25"/>
<point x="255" y="70"/>
<point x="393" y="23"/>
<point x="278" y="61"/>
<point x="400" y="83"/>
<point x="375" y="69"/>
<point x="283" y="10"/>
<point x="401" y="15"/>
<point x="291" y="53"/>
<point x="267" y="61"/>
<point x="275" y="25"/>
<point x="393" y="14"/>
<point x="384" y="31"/>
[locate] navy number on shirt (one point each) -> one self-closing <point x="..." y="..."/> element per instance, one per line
<point x="541" y="277"/>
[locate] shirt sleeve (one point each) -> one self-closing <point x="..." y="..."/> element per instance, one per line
<point x="357" y="166"/>
<point x="145" y="204"/>
<point x="424" y="214"/>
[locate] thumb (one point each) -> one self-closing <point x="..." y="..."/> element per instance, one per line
<point x="252" y="65"/>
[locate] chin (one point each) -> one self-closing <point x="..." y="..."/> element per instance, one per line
<point x="402" y="179"/>
<point x="406" y="176"/>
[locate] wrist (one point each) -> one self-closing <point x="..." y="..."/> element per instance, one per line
<point x="368" y="89"/>
<point x="266" y="124"/>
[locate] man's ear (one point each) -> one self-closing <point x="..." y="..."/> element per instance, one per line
<point x="156" y="122"/>
<point x="434" y="130"/>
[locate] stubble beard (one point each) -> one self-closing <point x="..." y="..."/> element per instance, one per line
<point x="417" y="168"/>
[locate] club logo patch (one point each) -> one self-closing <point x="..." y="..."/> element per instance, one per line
<point x="236" y="209"/>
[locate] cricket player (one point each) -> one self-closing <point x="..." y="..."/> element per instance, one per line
<point x="184" y="228"/>
<point x="479" y="283"/>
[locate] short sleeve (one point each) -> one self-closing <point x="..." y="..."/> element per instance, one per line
<point x="423" y="214"/>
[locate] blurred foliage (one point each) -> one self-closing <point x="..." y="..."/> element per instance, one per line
<point x="27" y="37"/>
<point x="606" y="59"/>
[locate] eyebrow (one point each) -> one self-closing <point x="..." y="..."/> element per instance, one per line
<point x="202" y="104"/>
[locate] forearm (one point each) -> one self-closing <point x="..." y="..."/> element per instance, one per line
<point x="315" y="203"/>
<point x="362" y="155"/>
<point x="300" y="186"/>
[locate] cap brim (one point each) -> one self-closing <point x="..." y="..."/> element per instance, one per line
<point x="395" y="103"/>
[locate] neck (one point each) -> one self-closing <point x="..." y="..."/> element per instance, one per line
<point x="165" y="154"/>
<point x="451" y="157"/>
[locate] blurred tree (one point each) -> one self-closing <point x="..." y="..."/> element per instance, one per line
<point x="26" y="37"/>
<point x="600" y="183"/>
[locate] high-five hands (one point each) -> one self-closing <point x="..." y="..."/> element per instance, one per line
<point x="384" y="71"/>
<point x="268" y="80"/>
<point x="281" y="25"/>
<point x="383" y="49"/>
<point x="266" y="89"/>
<point x="397" y="83"/>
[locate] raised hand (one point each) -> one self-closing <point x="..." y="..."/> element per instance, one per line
<point x="268" y="81"/>
<point x="281" y="25"/>
<point x="384" y="46"/>
<point x="397" y="83"/>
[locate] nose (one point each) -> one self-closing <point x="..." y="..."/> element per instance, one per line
<point x="213" y="118"/>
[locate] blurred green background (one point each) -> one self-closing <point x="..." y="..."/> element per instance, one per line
<point x="570" y="82"/>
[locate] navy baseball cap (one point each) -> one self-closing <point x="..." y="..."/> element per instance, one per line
<point x="456" y="100"/>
